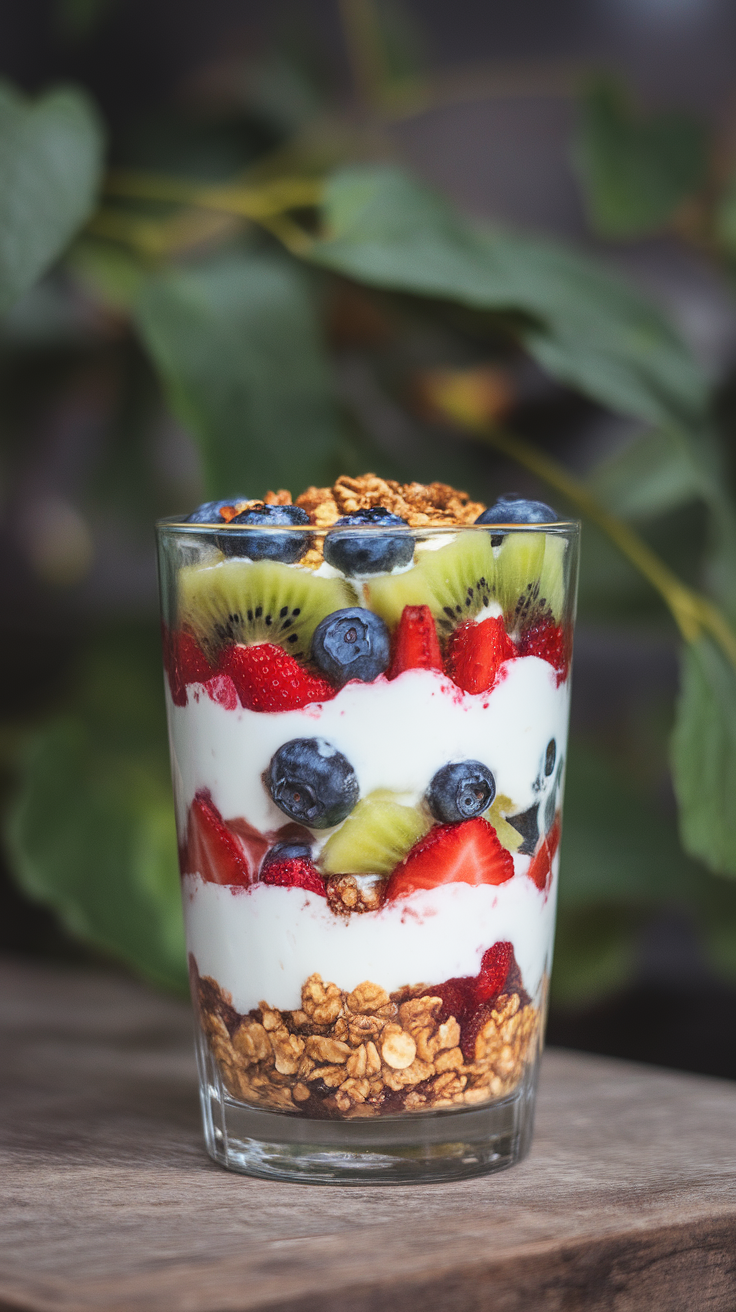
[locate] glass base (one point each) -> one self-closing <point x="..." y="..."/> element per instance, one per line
<point x="411" y="1148"/>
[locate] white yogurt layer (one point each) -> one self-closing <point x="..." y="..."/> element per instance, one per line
<point x="262" y="943"/>
<point x="396" y="735"/>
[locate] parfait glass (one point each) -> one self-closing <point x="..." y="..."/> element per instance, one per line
<point x="368" y="774"/>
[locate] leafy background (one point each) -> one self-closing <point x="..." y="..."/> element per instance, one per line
<point x="246" y="286"/>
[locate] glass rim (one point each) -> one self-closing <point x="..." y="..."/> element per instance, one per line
<point x="173" y="524"/>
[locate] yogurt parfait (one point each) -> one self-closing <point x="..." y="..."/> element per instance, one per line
<point x="367" y="691"/>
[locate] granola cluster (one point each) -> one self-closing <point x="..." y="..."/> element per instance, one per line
<point x="422" y="505"/>
<point x="365" y="1053"/>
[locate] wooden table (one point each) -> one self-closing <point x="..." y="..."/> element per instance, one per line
<point x="627" y="1202"/>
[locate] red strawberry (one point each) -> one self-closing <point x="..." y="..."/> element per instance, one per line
<point x="549" y="642"/>
<point x="540" y="869"/>
<point x="476" y="652"/>
<point x="267" y="678"/>
<point x="493" y="973"/>
<point x="222" y="690"/>
<point x="185" y="662"/>
<point x="457" y="998"/>
<point x="468" y="853"/>
<point x="416" y="646"/>
<point x="212" y="850"/>
<point x="294" y="872"/>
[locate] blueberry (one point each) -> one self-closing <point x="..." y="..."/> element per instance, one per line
<point x="351" y="644"/>
<point x="286" y="547"/>
<point x="209" y="511"/>
<point x="287" y="852"/>
<point x="368" y="553"/>
<point x="460" y="790"/>
<point x="550" y="757"/>
<point x="310" y="781"/>
<point x="510" y="509"/>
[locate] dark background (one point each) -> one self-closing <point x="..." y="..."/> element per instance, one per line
<point x="497" y="139"/>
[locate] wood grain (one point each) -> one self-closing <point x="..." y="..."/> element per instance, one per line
<point x="627" y="1202"/>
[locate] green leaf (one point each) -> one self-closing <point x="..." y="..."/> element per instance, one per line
<point x="617" y="846"/>
<point x="653" y="473"/>
<point x="704" y="756"/>
<point x="725" y="219"/>
<point x="635" y="172"/>
<point x="584" y="325"/>
<point x="664" y="469"/>
<point x="51" y="154"/>
<point x="238" y="345"/>
<point x="91" y="832"/>
<point x="595" y="952"/>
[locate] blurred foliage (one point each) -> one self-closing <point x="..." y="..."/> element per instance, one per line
<point x="239" y="346"/>
<point x="50" y="160"/>
<point x="636" y="172"/>
<point x="91" y="830"/>
<point x="255" y="305"/>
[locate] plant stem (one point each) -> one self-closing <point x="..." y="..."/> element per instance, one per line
<point x="693" y="612"/>
<point x="261" y="202"/>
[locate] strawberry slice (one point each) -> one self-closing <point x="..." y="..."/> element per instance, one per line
<point x="468" y="853"/>
<point x="212" y="850"/>
<point x="494" y="970"/>
<point x="222" y="691"/>
<point x="184" y="662"/>
<point x="476" y="652"/>
<point x="267" y="678"/>
<point x="416" y="646"/>
<point x="549" y="642"/>
<point x="540" y="868"/>
<point x="294" y="872"/>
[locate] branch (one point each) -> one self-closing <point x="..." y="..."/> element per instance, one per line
<point x="457" y="396"/>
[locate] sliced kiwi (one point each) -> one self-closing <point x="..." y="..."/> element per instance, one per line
<point x="377" y="834"/>
<point x="247" y="601"/>
<point x="508" y="837"/>
<point x="530" y="582"/>
<point x="455" y="582"/>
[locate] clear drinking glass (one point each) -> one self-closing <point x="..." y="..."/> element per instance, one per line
<point x="368" y="773"/>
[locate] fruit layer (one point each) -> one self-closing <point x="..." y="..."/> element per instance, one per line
<point x="395" y="733"/>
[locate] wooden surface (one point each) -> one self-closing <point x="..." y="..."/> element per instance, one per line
<point x="627" y="1202"/>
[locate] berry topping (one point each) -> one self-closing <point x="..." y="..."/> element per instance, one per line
<point x="212" y="850"/>
<point x="368" y="553"/>
<point x="547" y="641"/>
<point x="286" y="547"/>
<point x="210" y="512"/>
<point x="185" y="663"/>
<point x="494" y="970"/>
<point x="463" y="996"/>
<point x="416" y="646"/>
<point x="540" y="869"/>
<point x="310" y="781"/>
<point x="222" y="690"/>
<point x="460" y="791"/>
<point x="267" y="678"/>
<point x="512" y="509"/>
<point x="469" y="853"/>
<point x="476" y="653"/>
<point x="287" y="851"/>
<point x="293" y="872"/>
<point x="351" y="644"/>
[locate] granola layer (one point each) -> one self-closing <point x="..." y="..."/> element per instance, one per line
<point x="367" y="1053"/>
